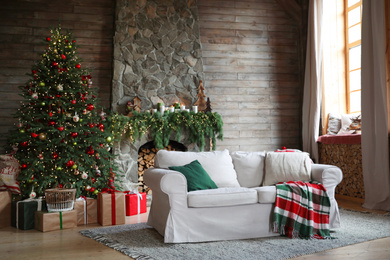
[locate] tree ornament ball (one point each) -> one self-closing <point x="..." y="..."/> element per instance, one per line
<point x="78" y="66"/>
<point x="70" y="163"/>
<point x="70" y="46"/>
<point x="34" y="135"/>
<point x="63" y="56"/>
<point x="42" y="136"/>
<point x="81" y="120"/>
<point x="88" y="188"/>
<point x="22" y="131"/>
<point x="90" y="107"/>
<point x="96" y="192"/>
<point x="24" y="166"/>
<point x="60" y="87"/>
<point x="73" y="102"/>
<point x="109" y="139"/>
<point x="92" y="189"/>
<point x="54" y="155"/>
<point x="76" y="118"/>
<point x="74" y="143"/>
<point x="84" y="176"/>
<point x="48" y="39"/>
<point x="43" y="103"/>
<point x="59" y="168"/>
<point x="33" y="195"/>
<point x="74" y="166"/>
<point x="34" y="95"/>
<point x="41" y="84"/>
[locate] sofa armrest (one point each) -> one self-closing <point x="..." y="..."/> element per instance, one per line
<point x="328" y="175"/>
<point x="168" y="181"/>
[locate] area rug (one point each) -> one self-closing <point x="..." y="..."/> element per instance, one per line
<point x="140" y="241"/>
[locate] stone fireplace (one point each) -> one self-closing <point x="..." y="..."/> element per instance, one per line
<point x="157" y="58"/>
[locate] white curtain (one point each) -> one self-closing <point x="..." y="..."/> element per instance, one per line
<point x="375" y="146"/>
<point x="313" y="81"/>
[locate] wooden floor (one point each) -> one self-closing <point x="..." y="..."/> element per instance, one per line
<point x="69" y="244"/>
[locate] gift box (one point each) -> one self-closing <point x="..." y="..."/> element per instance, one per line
<point x="111" y="208"/>
<point x="86" y="211"/>
<point x="50" y="221"/>
<point x="23" y="212"/>
<point x="135" y="203"/>
<point x="5" y="209"/>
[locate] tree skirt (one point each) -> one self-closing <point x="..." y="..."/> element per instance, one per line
<point x="140" y="241"/>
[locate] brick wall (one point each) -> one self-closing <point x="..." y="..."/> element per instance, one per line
<point x="24" y="25"/>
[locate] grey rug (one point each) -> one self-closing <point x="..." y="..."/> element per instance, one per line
<point x="140" y="241"/>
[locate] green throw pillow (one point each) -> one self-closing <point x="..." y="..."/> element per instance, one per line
<point x="197" y="177"/>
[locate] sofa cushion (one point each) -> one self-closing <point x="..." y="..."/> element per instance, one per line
<point x="221" y="197"/>
<point x="281" y="167"/>
<point x="218" y="164"/>
<point x="249" y="167"/>
<point x="266" y="194"/>
<point x="197" y="177"/>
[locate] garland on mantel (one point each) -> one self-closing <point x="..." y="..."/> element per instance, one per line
<point x="199" y="126"/>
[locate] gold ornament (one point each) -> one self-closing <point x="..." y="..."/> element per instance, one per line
<point x="55" y="51"/>
<point x="42" y="136"/>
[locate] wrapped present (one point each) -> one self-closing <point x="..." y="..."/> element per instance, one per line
<point x="111" y="208"/>
<point x="86" y="210"/>
<point x="23" y="212"/>
<point x="135" y="203"/>
<point x="9" y="171"/>
<point x="50" y="221"/>
<point x="5" y="209"/>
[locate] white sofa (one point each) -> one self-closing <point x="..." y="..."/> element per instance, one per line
<point x="241" y="207"/>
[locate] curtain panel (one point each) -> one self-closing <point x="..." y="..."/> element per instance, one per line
<point x="312" y="92"/>
<point x="375" y="146"/>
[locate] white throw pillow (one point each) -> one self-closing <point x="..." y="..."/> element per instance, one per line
<point x="218" y="164"/>
<point x="249" y="167"/>
<point x="334" y="124"/>
<point x="281" y="167"/>
<point x="346" y="120"/>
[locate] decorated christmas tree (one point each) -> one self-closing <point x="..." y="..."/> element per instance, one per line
<point x="62" y="136"/>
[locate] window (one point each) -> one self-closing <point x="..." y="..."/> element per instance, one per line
<point x="353" y="36"/>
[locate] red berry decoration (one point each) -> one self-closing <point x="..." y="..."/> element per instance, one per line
<point x="93" y="180"/>
<point x="34" y="71"/>
<point x="74" y="134"/>
<point x="90" y="107"/>
<point x="54" y="155"/>
<point x="90" y="150"/>
<point x="70" y="163"/>
<point x="78" y="66"/>
<point x="73" y="102"/>
<point x="51" y="123"/>
<point x="61" y="128"/>
<point x="34" y="135"/>
<point x="63" y="56"/>
<point x="48" y="39"/>
<point x="24" y="144"/>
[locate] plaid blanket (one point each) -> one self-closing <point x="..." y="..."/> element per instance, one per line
<point x="302" y="210"/>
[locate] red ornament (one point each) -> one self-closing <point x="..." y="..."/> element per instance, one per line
<point x="54" y="155"/>
<point x="78" y="66"/>
<point x="74" y="134"/>
<point x="34" y="71"/>
<point x="24" y="166"/>
<point x="50" y="114"/>
<point x="70" y="163"/>
<point x="284" y="148"/>
<point x="61" y="128"/>
<point x="24" y="144"/>
<point x="90" y="107"/>
<point x="90" y="150"/>
<point x="93" y="180"/>
<point x="92" y="189"/>
<point x="63" y="56"/>
<point x="73" y="102"/>
<point x="55" y="64"/>
<point x="58" y="95"/>
<point x="34" y="135"/>
<point x="91" y="125"/>
<point x="51" y="123"/>
<point x="48" y="39"/>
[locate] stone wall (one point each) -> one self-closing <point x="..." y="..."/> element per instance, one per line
<point x="157" y="52"/>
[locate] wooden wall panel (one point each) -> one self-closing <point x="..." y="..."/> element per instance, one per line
<point x="251" y="56"/>
<point x="24" y="24"/>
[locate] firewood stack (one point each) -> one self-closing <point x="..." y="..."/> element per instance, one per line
<point x="146" y="161"/>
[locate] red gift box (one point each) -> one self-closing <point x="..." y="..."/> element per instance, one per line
<point x="135" y="203"/>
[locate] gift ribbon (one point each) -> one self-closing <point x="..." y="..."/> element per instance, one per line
<point x="41" y="213"/>
<point x="60" y="219"/>
<point x="39" y="208"/>
<point x="84" y="200"/>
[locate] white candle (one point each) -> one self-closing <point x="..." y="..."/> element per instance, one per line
<point x="171" y="109"/>
<point x="154" y="110"/>
<point x="182" y="107"/>
<point x="187" y="110"/>
<point x="162" y="109"/>
<point x="195" y="109"/>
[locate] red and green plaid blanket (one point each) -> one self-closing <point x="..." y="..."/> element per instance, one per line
<point x="302" y="210"/>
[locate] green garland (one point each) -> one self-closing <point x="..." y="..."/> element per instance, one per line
<point x="198" y="125"/>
